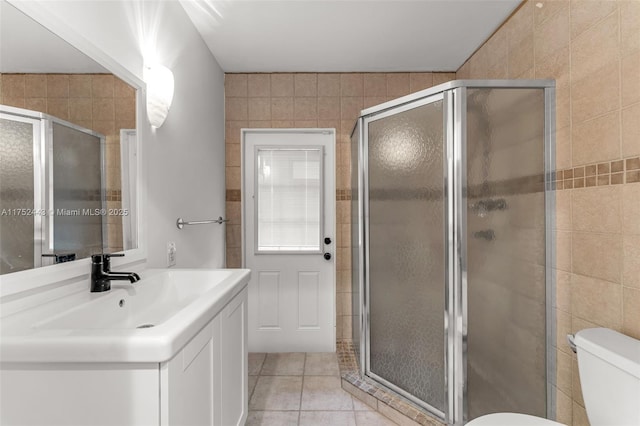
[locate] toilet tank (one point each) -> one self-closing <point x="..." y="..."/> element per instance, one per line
<point x="609" y="366"/>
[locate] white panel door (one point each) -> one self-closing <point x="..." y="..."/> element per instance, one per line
<point x="289" y="238"/>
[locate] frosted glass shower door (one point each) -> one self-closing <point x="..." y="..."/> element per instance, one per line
<point x="406" y="251"/>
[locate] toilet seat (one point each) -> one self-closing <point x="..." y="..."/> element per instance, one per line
<point x="512" y="419"/>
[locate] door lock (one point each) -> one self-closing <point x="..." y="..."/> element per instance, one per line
<point x="327" y="256"/>
<point x="327" y="240"/>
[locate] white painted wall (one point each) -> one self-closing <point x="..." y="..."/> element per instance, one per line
<point x="184" y="159"/>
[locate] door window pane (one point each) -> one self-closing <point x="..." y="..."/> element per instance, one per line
<point x="289" y="199"/>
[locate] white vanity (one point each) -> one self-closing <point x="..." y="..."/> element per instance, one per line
<point x="168" y="350"/>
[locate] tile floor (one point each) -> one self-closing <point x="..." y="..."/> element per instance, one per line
<point x="303" y="389"/>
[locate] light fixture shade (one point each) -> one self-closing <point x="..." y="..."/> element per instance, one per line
<point x="159" y="93"/>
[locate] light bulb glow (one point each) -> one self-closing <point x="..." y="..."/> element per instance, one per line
<point x="160" y="85"/>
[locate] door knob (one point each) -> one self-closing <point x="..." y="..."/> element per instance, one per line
<point x="327" y="256"/>
<point x="327" y="240"/>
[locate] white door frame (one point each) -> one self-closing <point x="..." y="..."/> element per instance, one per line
<point x="330" y="197"/>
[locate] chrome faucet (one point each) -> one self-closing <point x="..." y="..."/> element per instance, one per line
<point x="101" y="275"/>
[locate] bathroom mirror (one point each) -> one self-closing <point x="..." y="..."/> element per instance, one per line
<point x="68" y="150"/>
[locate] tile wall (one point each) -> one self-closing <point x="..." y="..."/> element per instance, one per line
<point x="330" y="100"/>
<point x="100" y="102"/>
<point x="592" y="50"/>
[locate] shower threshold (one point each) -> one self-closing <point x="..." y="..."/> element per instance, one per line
<point x="383" y="400"/>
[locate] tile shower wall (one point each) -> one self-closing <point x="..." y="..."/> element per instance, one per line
<point x="332" y="100"/>
<point x="100" y="102"/>
<point x="592" y="50"/>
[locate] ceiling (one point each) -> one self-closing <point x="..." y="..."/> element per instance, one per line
<point x="345" y="35"/>
<point x="28" y="47"/>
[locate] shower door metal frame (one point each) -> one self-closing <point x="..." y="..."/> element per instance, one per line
<point x="454" y="95"/>
<point x="366" y="332"/>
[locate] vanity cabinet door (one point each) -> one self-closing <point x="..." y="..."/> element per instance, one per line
<point x="234" y="360"/>
<point x="188" y="383"/>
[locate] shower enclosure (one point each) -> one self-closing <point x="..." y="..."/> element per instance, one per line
<point x="52" y="197"/>
<point x="451" y="216"/>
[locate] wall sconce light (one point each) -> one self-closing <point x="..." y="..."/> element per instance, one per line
<point x="159" y="93"/>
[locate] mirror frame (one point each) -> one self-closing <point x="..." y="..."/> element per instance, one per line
<point x="78" y="270"/>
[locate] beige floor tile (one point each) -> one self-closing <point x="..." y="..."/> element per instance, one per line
<point x="359" y="405"/>
<point x="372" y="418"/>
<point x="321" y="364"/>
<point x="252" y="385"/>
<point x="283" y="364"/>
<point x="256" y="360"/>
<point x="325" y="393"/>
<point x="276" y="393"/>
<point x="272" y="418"/>
<point x="327" y="418"/>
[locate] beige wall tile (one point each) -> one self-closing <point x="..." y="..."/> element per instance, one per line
<point x="232" y="130"/>
<point x="80" y="109"/>
<point x="125" y="108"/>
<point x="597" y="301"/>
<point x="597" y="255"/>
<point x="585" y="14"/>
<point x="520" y="56"/>
<point x="102" y="86"/>
<point x="305" y="124"/>
<point x="235" y="85"/>
<point x="576" y="388"/>
<point x="555" y="66"/>
<point x="630" y="79"/>
<point x="549" y="9"/>
<point x="351" y="84"/>
<point x="329" y="84"/>
<point x="38" y="104"/>
<point x="563" y="327"/>
<point x="631" y="130"/>
<point x="233" y="236"/>
<point x="564" y="406"/>
<point x="306" y="108"/>
<point x="232" y="155"/>
<point x="563" y="250"/>
<point x="373" y="101"/>
<point x="13" y="86"/>
<point x="234" y="257"/>
<point x="259" y="109"/>
<point x="350" y="108"/>
<point x="106" y="127"/>
<point x="260" y="124"/>
<point x="103" y="109"/>
<point x="562" y="299"/>
<point x="629" y="26"/>
<point x="120" y="88"/>
<point x="563" y="368"/>
<point x="520" y="25"/>
<point x="398" y="84"/>
<point x="563" y="148"/>
<point x="59" y="107"/>
<point x="631" y="261"/>
<point x="579" y="416"/>
<point x="232" y="176"/>
<point x="595" y="94"/>
<point x="35" y="86"/>
<point x="443" y="77"/>
<point x="236" y="109"/>
<point x="306" y="84"/>
<point x="282" y="108"/>
<point x="259" y="85"/>
<point x="58" y="86"/>
<point x="631" y="312"/>
<point x="232" y="211"/>
<point x="554" y="33"/>
<point x="563" y="210"/>
<point x="375" y="84"/>
<point x="595" y="48"/>
<point x="329" y="108"/>
<point x="14" y="102"/>
<point x="418" y="81"/>
<point x="281" y="124"/>
<point x="282" y="85"/>
<point x="597" y="209"/>
<point x="596" y="140"/>
<point x="631" y="208"/>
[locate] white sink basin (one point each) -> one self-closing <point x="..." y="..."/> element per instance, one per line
<point x="148" y="321"/>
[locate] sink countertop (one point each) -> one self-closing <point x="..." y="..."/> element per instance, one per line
<point x="90" y="327"/>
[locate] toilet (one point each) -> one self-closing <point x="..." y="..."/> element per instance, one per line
<point x="609" y="366"/>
